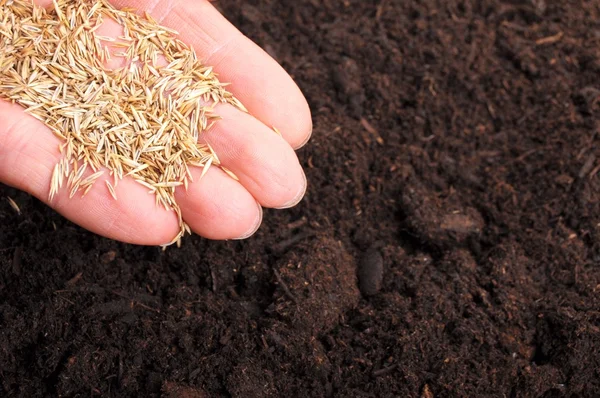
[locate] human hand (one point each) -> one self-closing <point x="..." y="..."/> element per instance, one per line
<point x="216" y="206"/>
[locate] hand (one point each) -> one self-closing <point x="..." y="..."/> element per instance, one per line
<point x="217" y="206"/>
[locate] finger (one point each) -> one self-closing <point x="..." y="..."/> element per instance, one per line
<point x="264" y="162"/>
<point x="28" y="154"/>
<point x="218" y="207"/>
<point x="257" y="80"/>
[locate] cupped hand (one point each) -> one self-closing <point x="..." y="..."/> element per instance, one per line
<point x="216" y="206"/>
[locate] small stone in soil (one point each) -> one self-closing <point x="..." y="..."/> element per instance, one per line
<point x="108" y="257"/>
<point x="370" y="272"/>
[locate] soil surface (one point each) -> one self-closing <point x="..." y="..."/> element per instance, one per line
<point x="449" y="245"/>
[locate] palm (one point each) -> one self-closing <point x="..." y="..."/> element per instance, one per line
<point x="217" y="206"/>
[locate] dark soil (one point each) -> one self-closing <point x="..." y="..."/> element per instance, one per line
<point x="449" y="245"/>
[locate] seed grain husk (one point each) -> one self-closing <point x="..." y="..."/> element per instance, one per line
<point x="14" y="205"/>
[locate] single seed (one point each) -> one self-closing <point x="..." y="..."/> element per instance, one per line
<point x="14" y="205"/>
<point x="111" y="189"/>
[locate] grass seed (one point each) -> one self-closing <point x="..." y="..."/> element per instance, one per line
<point x="14" y="205"/>
<point x="142" y="120"/>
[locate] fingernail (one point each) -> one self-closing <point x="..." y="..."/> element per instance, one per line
<point x="306" y="140"/>
<point x="298" y="197"/>
<point x="256" y="225"/>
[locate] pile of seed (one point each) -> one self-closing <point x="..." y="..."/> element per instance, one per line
<point x="142" y="120"/>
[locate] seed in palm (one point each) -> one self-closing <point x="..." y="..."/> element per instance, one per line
<point x="141" y="120"/>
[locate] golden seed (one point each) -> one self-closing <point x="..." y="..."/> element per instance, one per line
<point x="111" y="189"/>
<point x="14" y="205"/>
<point x="230" y="173"/>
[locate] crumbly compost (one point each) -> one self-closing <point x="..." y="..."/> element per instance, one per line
<point x="460" y="116"/>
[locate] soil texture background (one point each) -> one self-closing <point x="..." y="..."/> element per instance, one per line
<point x="449" y="244"/>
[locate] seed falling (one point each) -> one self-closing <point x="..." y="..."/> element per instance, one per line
<point x="14" y="205"/>
<point x="141" y="120"/>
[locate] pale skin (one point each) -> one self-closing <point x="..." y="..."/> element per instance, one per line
<point x="217" y="206"/>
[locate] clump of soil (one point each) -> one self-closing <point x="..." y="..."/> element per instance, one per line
<point x="448" y="245"/>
